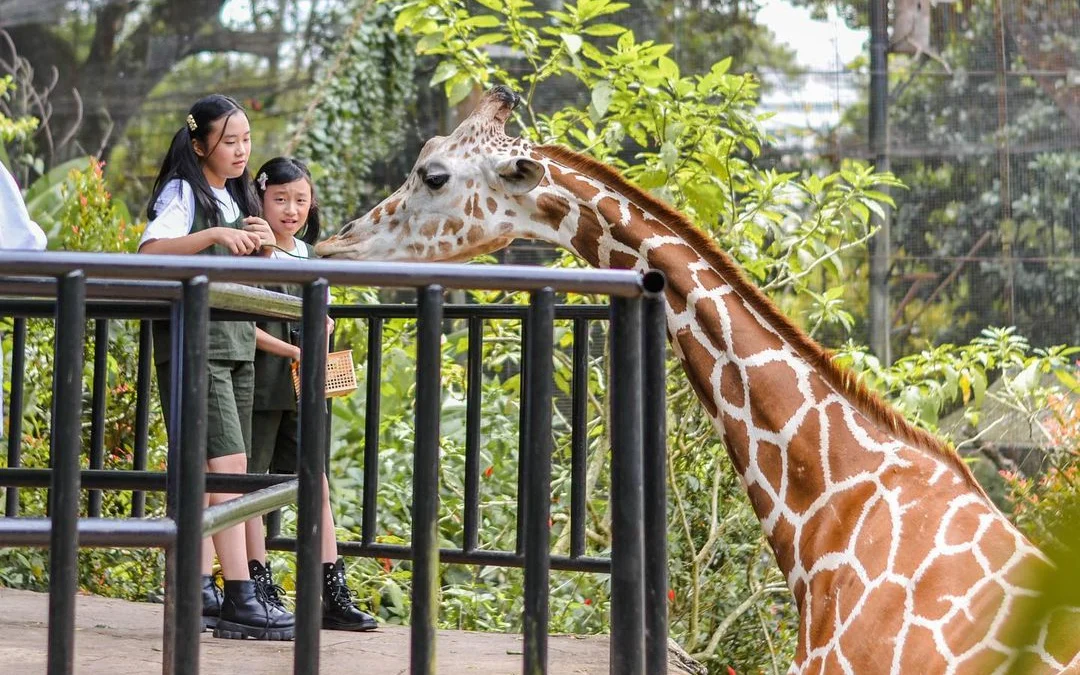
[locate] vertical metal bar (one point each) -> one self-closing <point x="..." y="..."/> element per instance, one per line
<point x="194" y="378"/>
<point x="523" y="438"/>
<point x="97" y="410"/>
<point x="579" y="436"/>
<point x="66" y="438"/>
<point x="142" y="414"/>
<point x="425" y="536"/>
<point x="627" y="539"/>
<point x="174" y="422"/>
<point x="538" y="513"/>
<point x="879" y="245"/>
<point x="329" y="412"/>
<point x="273" y="524"/>
<point x="654" y="362"/>
<point x="15" y="410"/>
<point x="371" y="430"/>
<point x="310" y="468"/>
<point x="474" y="365"/>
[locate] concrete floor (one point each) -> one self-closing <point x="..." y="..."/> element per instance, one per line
<point x="116" y="637"/>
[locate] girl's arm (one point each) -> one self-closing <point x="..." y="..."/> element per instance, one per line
<point x="238" y="242"/>
<point x="268" y="343"/>
<point x="188" y="244"/>
<point x="170" y="230"/>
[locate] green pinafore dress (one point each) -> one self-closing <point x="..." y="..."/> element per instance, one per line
<point x="231" y="381"/>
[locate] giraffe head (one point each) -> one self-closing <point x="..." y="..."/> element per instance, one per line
<point x="458" y="201"/>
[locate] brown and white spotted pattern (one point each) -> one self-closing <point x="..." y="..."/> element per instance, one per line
<point x="896" y="558"/>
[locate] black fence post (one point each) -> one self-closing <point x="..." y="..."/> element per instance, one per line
<point x="174" y="423"/>
<point x="473" y="403"/>
<point x="627" y="538"/>
<point x="64" y="451"/>
<point x="371" y="430"/>
<point x="97" y="410"/>
<point x="15" y="410"/>
<point x="654" y="353"/>
<point x="192" y="469"/>
<point x="579" y="437"/>
<point x="538" y="481"/>
<point x="311" y="466"/>
<point x="524" y="417"/>
<point x="142" y="415"/>
<point x="425" y="536"/>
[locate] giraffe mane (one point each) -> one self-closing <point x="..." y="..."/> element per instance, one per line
<point x="844" y="380"/>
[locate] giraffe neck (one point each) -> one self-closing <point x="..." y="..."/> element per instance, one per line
<point x="797" y="429"/>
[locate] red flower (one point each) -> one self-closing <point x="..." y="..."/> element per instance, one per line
<point x="671" y="595"/>
<point x="488" y="471"/>
<point x="588" y="601"/>
<point x="731" y="671"/>
<point x="385" y="564"/>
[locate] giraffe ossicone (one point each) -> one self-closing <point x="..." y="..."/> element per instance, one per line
<point x="897" y="560"/>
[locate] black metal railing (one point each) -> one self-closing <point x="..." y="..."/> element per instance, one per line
<point x="86" y="286"/>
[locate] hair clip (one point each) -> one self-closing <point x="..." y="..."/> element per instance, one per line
<point x="261" y="180"/>
<point x="191" y="123"/>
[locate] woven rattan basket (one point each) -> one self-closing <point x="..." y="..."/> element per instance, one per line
<point x="340" y="374"/>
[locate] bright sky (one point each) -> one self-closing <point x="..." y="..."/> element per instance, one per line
<point x="821" y="47"/>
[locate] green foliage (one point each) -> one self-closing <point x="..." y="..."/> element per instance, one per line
<point x="88" y="219"/>
<point x="13" y="129"/>
<point x="487" y="598"/>
<point x="358" y="109"/>
<point x="925" y="385"/>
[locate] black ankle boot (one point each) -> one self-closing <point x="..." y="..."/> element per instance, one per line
<point x="264" y="578"/>
<point x="247" y="612"/>
<point x="211" y="601"/>
<point x="339" y="612"/>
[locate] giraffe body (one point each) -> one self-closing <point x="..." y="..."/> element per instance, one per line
<point x="897" y="560"/>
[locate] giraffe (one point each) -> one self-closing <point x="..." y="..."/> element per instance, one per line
<point x="896" y="558"/>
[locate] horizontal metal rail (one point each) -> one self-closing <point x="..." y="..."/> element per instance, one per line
<point x="454" y="555"/>
<point x="119" y="479"/>
<point x="488" y="312"/>
<point x="260" y="502"/>
<point x="620" y="283"/>
<point x="92" y="532"/>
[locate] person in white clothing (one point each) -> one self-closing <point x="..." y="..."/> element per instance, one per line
<point x="17" y="230"/>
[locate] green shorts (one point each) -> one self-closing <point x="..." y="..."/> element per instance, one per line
<point x="273" y="441"/>
<point x="229" y="394"/>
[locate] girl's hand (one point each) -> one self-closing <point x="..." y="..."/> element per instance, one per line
<point x="239" y="242"/>
<point x="261" y="228"/>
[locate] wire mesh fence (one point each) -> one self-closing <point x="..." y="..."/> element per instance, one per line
<point x="983" y="125"/>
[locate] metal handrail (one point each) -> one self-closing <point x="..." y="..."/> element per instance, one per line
<point x="620" y="283"/>
<point x="258" y="503"/>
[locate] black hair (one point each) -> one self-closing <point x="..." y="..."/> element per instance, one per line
<point x="283" y="170"/>
<point x="182" y="162"/>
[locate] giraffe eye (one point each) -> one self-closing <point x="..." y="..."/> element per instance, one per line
<point x="436" y="180"/>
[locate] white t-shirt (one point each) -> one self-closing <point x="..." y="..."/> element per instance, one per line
<point x="300" y="250"/>
<point x="175" y="208"/>
<point x="17" y="231"/>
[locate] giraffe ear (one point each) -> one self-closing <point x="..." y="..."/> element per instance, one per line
<point x="519" y="175"/>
